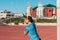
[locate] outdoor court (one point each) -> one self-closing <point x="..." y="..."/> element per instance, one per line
<point x="16" y="32"/>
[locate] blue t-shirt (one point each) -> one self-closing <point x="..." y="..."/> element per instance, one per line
<point x="31" y="31"/>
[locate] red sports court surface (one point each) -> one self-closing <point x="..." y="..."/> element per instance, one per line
<point x="16" y="32"/>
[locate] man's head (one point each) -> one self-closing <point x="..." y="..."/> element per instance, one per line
<point x="28" y="19"/>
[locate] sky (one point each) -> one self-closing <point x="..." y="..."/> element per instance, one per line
<point x="21" y="5"/>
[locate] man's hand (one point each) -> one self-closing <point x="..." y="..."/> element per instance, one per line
<point x="25" y="33"/>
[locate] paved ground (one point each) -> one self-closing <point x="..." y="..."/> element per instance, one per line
<point x="16" y="32"/>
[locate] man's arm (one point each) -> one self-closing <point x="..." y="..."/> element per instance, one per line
<point x="26" y="36"/>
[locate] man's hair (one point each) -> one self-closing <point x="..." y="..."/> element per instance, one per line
<point x="29" y="18"/>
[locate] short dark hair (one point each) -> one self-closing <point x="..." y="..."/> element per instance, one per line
<point x="29" y="18"/>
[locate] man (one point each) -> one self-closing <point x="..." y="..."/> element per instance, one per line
<point x="30" y="29"/>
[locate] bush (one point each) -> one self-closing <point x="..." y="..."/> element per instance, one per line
<point x="16" y="22"/>
<point x="46" y="20"/>
<point x="7" y="21"/>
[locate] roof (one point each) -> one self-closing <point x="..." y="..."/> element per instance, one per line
<point x="49" y="5"/>
<point x="45" y="6"/>
<point x="35" y="7"/>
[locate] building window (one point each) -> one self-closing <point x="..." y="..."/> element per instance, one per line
<point x="49" y="10"/>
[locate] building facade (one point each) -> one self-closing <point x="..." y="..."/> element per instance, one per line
<point x="50" y="11"/>
<point x="17" y="15"/>
<point x="3" y="15"/>
<point x="39" y="11"/>
<point x="45" y="11"/>
<point x="6" y="14"/>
